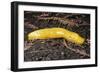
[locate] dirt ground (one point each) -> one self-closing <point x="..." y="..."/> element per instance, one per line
<point x="56" y="49"/>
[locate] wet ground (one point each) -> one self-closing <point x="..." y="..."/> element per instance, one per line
<point x="56" y="49"/>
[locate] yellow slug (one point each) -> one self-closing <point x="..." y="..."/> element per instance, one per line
<point x="56" y="33"/>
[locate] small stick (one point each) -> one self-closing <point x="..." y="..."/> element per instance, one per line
<point x="28" y="25"/>
<point x="77" y="51"/>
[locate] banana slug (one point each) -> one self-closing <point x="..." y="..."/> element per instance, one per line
<point x="56" y="33"/>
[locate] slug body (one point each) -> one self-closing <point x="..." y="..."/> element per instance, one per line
<point x="56" y="33"/>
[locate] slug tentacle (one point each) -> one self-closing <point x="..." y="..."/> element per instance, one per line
<point x="56" y="33"/>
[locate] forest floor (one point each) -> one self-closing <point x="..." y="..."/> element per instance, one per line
<point x="56" y="49"/>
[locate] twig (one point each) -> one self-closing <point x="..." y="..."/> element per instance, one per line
<point x="61" y="20"/>
<point x="28" y="25"/>
<point x="81" y="52"/>
<point x="27" y="45"/>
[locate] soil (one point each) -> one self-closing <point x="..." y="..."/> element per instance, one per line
<point x="56" y="49"/>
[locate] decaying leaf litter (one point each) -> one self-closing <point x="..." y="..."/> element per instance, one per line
<point x="56" y="49"/>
